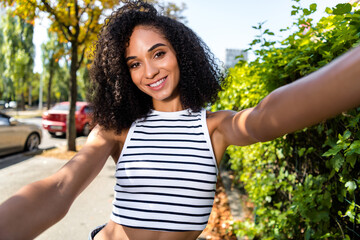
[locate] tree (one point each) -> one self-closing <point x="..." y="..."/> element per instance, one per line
<point x="76" y="23"/>
<point x="2" y="63"/>
<point x="52" y="51"/>
<point x="18" y="55"/>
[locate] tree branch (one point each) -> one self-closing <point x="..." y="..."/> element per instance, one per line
<point x="84" y="10"/>
<point x="81" y="58"/>
<point x="77" y="11"/>
<point x="88" y="29"/>
<point x="62" y="25"/>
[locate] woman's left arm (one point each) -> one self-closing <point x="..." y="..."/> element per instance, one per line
<point x="320" y="95"/>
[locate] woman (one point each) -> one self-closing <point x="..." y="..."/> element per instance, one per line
<point x="152" y="77"/>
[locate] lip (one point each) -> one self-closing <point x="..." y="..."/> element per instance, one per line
<point x="161" y="85"/>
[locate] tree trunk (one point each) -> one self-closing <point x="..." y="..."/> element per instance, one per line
<point x="71" y="129"/>
<point x="22" y="102"/>
<point x="30" y="96"/>
<point x="51" y="74"/>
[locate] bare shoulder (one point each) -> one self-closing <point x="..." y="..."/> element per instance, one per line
<point x="215" y="119"/>
<point x="230" y="127"/>
<point x="105" y="139"/>
<point x="215" y="122"/>
<point x="101" y="134"/>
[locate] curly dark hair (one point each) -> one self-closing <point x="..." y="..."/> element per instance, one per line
<point x="115" y="99"/>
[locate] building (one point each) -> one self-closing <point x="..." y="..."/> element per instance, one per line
<point x="233" y="56"/>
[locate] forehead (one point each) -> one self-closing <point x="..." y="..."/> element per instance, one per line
<point x="143" y="38"/>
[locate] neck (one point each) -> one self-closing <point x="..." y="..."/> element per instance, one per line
<point x="168" y="106"/>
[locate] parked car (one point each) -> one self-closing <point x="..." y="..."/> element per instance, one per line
<point x="16" y="136"/>
<point x="54" y="120"/>
<point x="11" y="104"/>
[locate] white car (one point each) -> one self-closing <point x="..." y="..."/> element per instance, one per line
<point x="11" y="104"/>
<point x="18" y="137"/>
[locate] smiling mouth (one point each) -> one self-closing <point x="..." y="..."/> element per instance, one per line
<point x="155" y="84"/>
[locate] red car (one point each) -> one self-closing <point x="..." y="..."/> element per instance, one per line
<point x="54" y="120"/>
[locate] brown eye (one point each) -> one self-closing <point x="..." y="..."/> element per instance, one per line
<point x="134" y="65"/>
<point x="159" y="54"/>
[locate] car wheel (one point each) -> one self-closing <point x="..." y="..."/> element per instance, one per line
<point x="86" y="129"/>
<point x="32" y="143"/>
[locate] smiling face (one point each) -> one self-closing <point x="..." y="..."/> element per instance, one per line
<point x="153" y="67"/>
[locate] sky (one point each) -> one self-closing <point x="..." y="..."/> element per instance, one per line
<point x="225" y="24"/>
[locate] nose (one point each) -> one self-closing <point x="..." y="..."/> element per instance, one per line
<point x="151" y="70"/>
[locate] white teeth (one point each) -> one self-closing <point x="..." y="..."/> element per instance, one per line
<point x="157" y="83"/>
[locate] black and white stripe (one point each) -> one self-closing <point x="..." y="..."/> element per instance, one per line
<point x="166" y="173"/>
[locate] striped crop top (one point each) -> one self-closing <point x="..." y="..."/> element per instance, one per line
<point x="166" y="174"/>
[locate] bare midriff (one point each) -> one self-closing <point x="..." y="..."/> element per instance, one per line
<point x="116" y="231"/>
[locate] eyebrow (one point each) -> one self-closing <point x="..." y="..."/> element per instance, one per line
<point x="150" y="49"/>
<point x="156" y="46"/>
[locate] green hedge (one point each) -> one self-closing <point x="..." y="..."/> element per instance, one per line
<point x="304" y="185"/>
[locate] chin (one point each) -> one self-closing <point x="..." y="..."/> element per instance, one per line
<point x="161" y="97"/>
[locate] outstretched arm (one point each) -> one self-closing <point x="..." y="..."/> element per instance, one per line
<point x="323" y="94"/>
<point x="39" y="205"/>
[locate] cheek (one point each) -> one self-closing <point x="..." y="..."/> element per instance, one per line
<point x="173" y="66"/>
<point x="135" y="78"/>
<point x="177" y="71"/>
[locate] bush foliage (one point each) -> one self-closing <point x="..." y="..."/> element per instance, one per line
<point x="305" y="185"/>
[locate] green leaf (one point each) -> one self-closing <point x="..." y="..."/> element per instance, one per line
<point x="353" y="148"/>
<point x="333" y="151"/>
<point x="328" y="10"/>
<point x="351" y="160"/>
<point x="337" y="161"/>
<point x="350" y="186"/>
<point x="342" y="8"/>
<point x="347" y="134"/>
<point x="327" y="235"/>
<point x="306" y="11"/>
<point x="332" y="173"/>
<point x="355" y="145"/>
<point x="301" y="151"/>
<point x="308" y="234"/>
<point x="313" y="7"/>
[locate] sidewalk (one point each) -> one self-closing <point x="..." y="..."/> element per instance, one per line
<point x="29" y="113"/>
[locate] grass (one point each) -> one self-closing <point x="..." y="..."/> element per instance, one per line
<point x="60" y="153"/>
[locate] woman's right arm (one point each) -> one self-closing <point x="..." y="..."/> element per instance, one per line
<point x="39" y="205"/>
